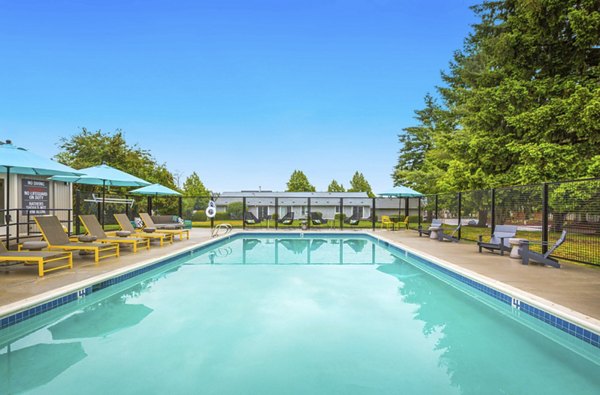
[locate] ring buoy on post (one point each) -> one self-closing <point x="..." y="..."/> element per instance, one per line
<point x="211" y="210"/>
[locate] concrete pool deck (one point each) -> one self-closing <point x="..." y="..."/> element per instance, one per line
<point x="574" y="286"/>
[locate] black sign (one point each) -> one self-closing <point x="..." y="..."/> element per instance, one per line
<point x="35" y="196"/>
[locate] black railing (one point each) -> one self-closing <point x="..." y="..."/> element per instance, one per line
<point x="15" y="219"/>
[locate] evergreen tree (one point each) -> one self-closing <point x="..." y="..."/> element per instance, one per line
<point x="335" y="187"/>
<point x="359" y="183"/>
<point x="299" y="183"/>
<point x="521" y="102"/>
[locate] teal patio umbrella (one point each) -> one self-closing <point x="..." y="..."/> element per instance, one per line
<point x="106" y="176"/>
<point x="154" y="190"/>
<point x="17" y="160"/>
<point x="402" y="192"/>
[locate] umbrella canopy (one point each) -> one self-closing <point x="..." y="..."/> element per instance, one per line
<point x="17" y="160"/>
<point x="401" y="191"/>
<point x="156" y="190"/>
<point x="104" y="175"/>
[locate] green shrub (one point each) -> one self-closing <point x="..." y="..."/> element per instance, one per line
<point x="234" y="210"/>
<point x="222" y="216"/>
<point x="199" y="216"/>
<point x="337" y="217"/>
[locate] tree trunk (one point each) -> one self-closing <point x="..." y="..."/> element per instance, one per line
<point x="482" y="217"/>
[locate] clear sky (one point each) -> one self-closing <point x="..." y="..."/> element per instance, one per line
<point x="241" y="91"/>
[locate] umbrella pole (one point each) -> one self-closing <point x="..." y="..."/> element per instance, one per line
<point x="103" y="199"/>
<point x="7" y="216"/>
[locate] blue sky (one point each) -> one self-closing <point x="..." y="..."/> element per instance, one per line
<point x="242" y="92"/>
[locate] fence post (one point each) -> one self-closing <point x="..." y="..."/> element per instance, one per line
<point x="373" y="216"/>
<point x="419" y="215"/>
<point x="308" y="215"/>
<point x="127" y="206"/>
<point x="459" y="213"/>
<point x="276" y="213"/>
<point x="436" y="206"/>
<point x="545" y="218"/>
<point x="180" y="207"/>
<point x="149" y="205"/>
<point x="406" y="203"/>
<point x="77" y="211"/>
<point x="212" y="219"/>
<point x="493" y="225"/>
<point x="244" y="213"/>
<point x="341" y="213"/>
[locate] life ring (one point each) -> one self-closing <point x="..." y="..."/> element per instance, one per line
<point x="211" y="210"/>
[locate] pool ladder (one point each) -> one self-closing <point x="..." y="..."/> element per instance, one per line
<point x="225" y="227"/>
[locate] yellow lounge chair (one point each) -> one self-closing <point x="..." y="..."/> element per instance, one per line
<point x="57" y="239"/>
<point x="125" y="225"/>
<point x="162" y="229"/>
<point x="41" y="258"/>
<point x="93" y="228"/>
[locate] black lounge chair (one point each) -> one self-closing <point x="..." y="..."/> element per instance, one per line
<point x="453" y="237"/>
<point x="353" y="220"/>
<point x="317" y="219"/>
<point x="499" y="239"/>
<point x="287" y="219"/>
<point x="528" y="255"/>
<point x="434" y="224"/>
<point x="250" y="219"/>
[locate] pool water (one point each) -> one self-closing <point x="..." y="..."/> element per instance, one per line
<point x="312" y="315"/>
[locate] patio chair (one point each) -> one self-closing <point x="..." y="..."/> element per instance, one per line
<point x="41" y="258"/>
<point x="57" y="239"/>
<point x="162" y="228"/>
<point x="316" y="219"/>
<point x="287" y="219"/>
<point x="528" y="255"/>
<point x="436" y="223"/>
<point x="499" y="239"/>
<point x="406" y="221"/>
<point x="453" y="237"/>
<point x="126" y="226"/>
<point x="250" y="218"/>
<point x="93" y="228"/>
<point x="387" y="222"/>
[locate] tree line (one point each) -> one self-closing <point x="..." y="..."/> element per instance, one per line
<point x="87" y="149"/>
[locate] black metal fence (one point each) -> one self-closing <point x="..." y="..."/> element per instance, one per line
<point x="540" y="212"/>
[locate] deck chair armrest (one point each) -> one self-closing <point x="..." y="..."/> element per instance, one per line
<point x="502" y="245"/>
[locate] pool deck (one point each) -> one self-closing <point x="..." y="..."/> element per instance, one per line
<point x="574" y="286"/>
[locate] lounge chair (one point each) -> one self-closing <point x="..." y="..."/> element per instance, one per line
<point x="41" y="258"/>
<point x="57" y="239"/>
<point x="499" y="239"/>
<point x="168" y="229"/>
<point x="317" y="219"/>
<point x="436" y="223"/>
<point x="354" y="220"/>
<point x="125" y="225"/>
<point x="387" y="222"/>
<point x="287" y="219"/>
<point x="453" y="237"/>
<point x="250" y="219"/>
<point x="93" y="228"/>
<point x="406" y="221"/>
<point x="528" y="255"/>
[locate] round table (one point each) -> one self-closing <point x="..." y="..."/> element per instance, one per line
<point x="434" y="232"/>
<point x="515" y="242"/>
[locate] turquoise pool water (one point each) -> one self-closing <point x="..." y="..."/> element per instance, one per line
<point x="291" y="316"/>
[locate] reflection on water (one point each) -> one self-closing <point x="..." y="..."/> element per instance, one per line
<point x="26" y="368"/>
<point x="487" y="352"/>
<point x="325" y="250"/>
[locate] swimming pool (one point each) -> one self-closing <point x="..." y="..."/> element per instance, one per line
<point x="313" y="314"/>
